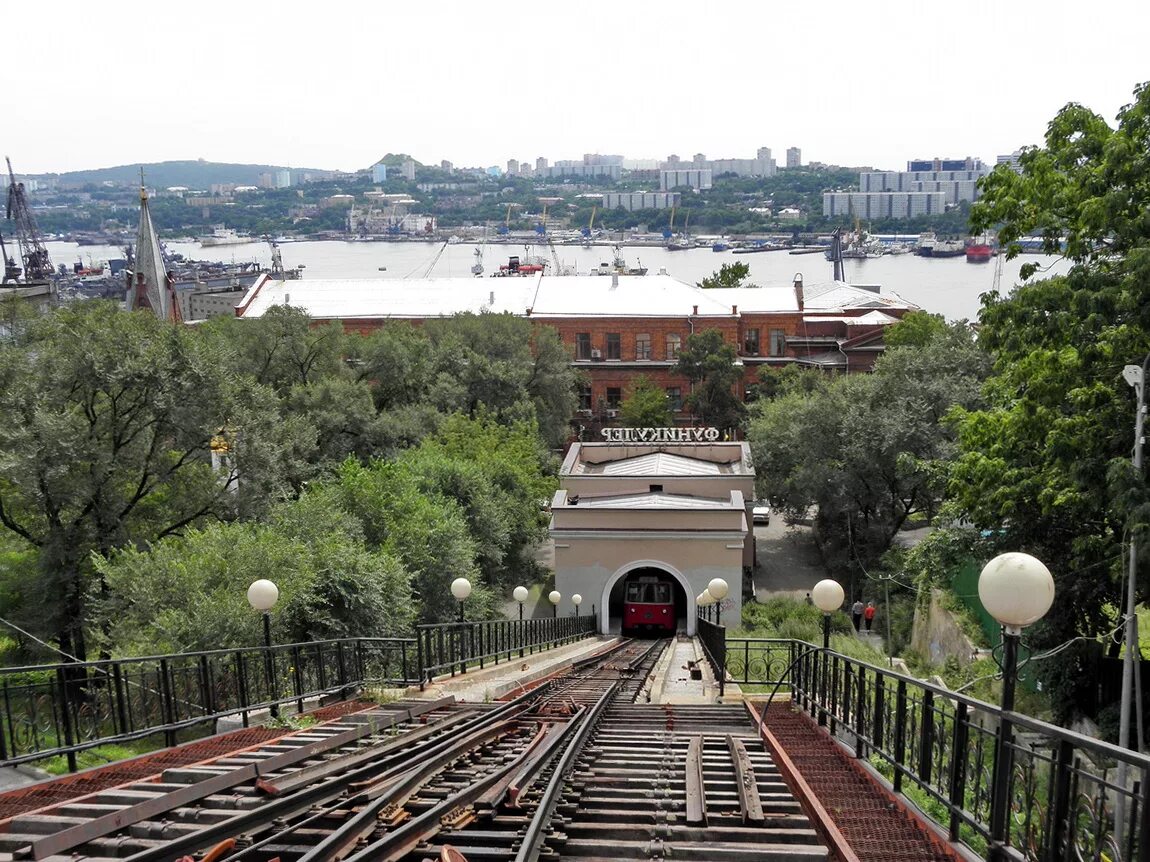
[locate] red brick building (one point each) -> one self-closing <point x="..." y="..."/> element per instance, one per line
<point x="620" y="327"/>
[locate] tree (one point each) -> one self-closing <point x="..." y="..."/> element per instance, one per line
<point x="869" y="451"/>
<point x="1046" y="463"/>
<point x="645" y="406"/>
<point x="709" y="363"/>
<point x="729" y="275"/>
<point x="105" y="425"/>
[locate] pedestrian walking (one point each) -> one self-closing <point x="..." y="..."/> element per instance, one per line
<point x="857" y="614"/>
<point x="868" y="615"/>
<point x="809" y="600"/>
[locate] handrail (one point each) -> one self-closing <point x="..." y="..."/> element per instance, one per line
<point x="941" y="748"/>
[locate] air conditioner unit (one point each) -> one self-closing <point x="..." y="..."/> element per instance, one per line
<point x="596" y="354"/>
<point x="584" y="412"/>
<point x="611" y="414"/>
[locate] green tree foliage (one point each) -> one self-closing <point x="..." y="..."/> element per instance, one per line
<point x="1046" y="462"/>
<point x="709" y="363"/>
<point x="867" y="451"/>
<point x="729" y="275"/>
<point x="916" y="329"/>
<point x="189" y="592"/>
<point x="645" y="406"/>
<point x="105" y="423"/>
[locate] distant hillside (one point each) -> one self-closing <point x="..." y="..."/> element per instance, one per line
<point x="193" y="174"/>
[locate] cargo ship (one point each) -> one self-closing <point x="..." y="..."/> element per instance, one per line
<point x="948" y="248"/>
<point x="980" y="249"/>
<point x="925" y="245"/>
<point x="221" y="235"/>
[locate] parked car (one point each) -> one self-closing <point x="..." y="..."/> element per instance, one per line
<point x="761" y="512"/>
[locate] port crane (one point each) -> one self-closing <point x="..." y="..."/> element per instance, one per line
<point x="591" y="224"/>
<point x="670" y="231"/>
<point x="507" y="221"/>
<point x="33" y="254"/>
<point x="541" y="228"/>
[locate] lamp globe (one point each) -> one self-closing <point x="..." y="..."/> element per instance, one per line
<point x="263" y="594"/>
<point x="555" y="597"/>
<point x="1017" y="589"/>
<point x="718" y="589"/>
<point x="828" y="595"/>
<point x="519" y="594"/>
<point x="707" y="598"/>
<point x="461" y="588"/>
<point x="576" y="600"/>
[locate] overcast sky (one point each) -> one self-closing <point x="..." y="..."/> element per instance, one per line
<point x="337" y="85"/>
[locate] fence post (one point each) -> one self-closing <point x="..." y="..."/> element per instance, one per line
<point x="860" y="713"/>
<point x="66" y="716"/>
<point x="118" y="694"/>
<point x="205" y="686"/>
<point x="242" y="686"/>
<point x="422" y="669"/>
<point x="166" y="702"/>
<point x="297" y="677"/>
<point x="879" y="711"/>
<point x="342" y="664"/>
<point x="926" y="737"/>
<point x="899" y="733"/>
<point x="958" y="769"/>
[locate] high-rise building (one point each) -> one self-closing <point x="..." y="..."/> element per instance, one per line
<point x="379" y="173"/>
<point x="764" y="154"/>
<point x="409" y="170"/>
<point x="283" y="179"/>
<point x="699" y="179"/>
<point x="540" y="164"/>
<point x="446" y="165"/>
<point x="967" y="164"/>
<point x="1012" y="160"/>
<point x="698" y="157"/>
<point x="673" y="159"/>
<point x="513" y="166"/>
<point x="794" y="157"/>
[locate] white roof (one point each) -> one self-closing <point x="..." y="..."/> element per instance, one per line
<point x="651" y="501"/>
<point x="657" y="464"/>
<point x="546" y="296"/>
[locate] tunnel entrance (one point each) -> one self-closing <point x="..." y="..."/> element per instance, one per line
<point x="647" y="602"/>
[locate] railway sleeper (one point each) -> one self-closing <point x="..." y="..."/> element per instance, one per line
<point x="712" y="851"/>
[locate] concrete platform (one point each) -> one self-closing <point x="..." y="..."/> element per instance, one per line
<point x="673" y="682"/>
<point x="495" y="681"/>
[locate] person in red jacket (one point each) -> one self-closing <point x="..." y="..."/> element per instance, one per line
<point x="868" y="615"/>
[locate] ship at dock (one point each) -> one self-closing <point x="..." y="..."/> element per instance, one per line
<point x="221" y="235"/>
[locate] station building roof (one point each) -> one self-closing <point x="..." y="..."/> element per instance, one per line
<point x="547" y="296"/>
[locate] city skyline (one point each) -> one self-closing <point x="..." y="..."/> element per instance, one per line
<point x="283" y="85"/>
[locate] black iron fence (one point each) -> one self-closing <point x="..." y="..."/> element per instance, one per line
<point x="1068" y="797"/>
<point x="62" y="709"/>
<point x="713" y="637"/>
<point x="450" y="648"/>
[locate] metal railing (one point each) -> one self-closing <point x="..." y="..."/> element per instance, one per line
<point x="713" y="637"/>
<point x="939" y="747"/>
<point x="449" y="648"/>
<point x="69" y="707"/>
<point x="62" y="709"/>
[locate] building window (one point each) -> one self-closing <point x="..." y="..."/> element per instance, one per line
<point x="643" y="345"/>
<point x="614" y="346"/>
<point x="751" y="342"/>
<point x="585" y="397"/>
<point x="778" y="342"/>
<point x="674" y="342"/>
<point x="583" y="345"/>
<point x="675" y="398"/>
<point x="614" y="397"/>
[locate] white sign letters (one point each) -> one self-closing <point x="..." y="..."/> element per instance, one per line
<point x="660" y="435"/>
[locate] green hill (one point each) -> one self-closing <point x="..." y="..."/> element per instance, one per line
<point x="197" y="174"/>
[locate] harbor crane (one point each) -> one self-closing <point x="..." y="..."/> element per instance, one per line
<point x="591" y="224"/>
<point x="507" y="221"/>
<point x="33" y="254"/>
<point x="670" y="231"/>
<point x="541" y="228"/>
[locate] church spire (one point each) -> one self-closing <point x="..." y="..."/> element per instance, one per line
<point x="149" y="285"/>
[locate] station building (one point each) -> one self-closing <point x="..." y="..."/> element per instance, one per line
<point x="620" y="327"/>
<point x="673" y="511"/>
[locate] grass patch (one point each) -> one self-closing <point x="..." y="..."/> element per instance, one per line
<point x="103" y="755"/>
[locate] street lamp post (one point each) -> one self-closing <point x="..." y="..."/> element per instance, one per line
<point x="828" y="597"/>
<point x="1017" y="590"/>
<point x="576" y="600"/>
<point x="718" y="589"/>
<point x="520" y="595"/>
<point x="461" y="589"/>
<point x="262" y="596"/>
<point x="706" y="600"/>
<point x="1135" y="376"/>
<point x="555" y="597"/>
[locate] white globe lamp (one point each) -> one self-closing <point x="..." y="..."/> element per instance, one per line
<point x="576" y="600"/>
<point x="461" y="588"/>
<point x="519" y="594"/>
<point x="828" y="597"/>
<point x="1017" y="590"/>
<point x="263" y="594"/>
<point x="555" y="597"/>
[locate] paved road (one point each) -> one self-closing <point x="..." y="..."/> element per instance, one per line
<point x="789" y="562"/>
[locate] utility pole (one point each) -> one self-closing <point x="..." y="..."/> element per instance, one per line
<point x="1135" y="376"/>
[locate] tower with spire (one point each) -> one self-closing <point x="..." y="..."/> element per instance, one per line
<point x="150" y="285"/>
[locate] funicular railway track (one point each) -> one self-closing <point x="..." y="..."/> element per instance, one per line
<point x="574" y="768"/>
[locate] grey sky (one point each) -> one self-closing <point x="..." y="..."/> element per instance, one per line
<point x="336" y="85"/>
